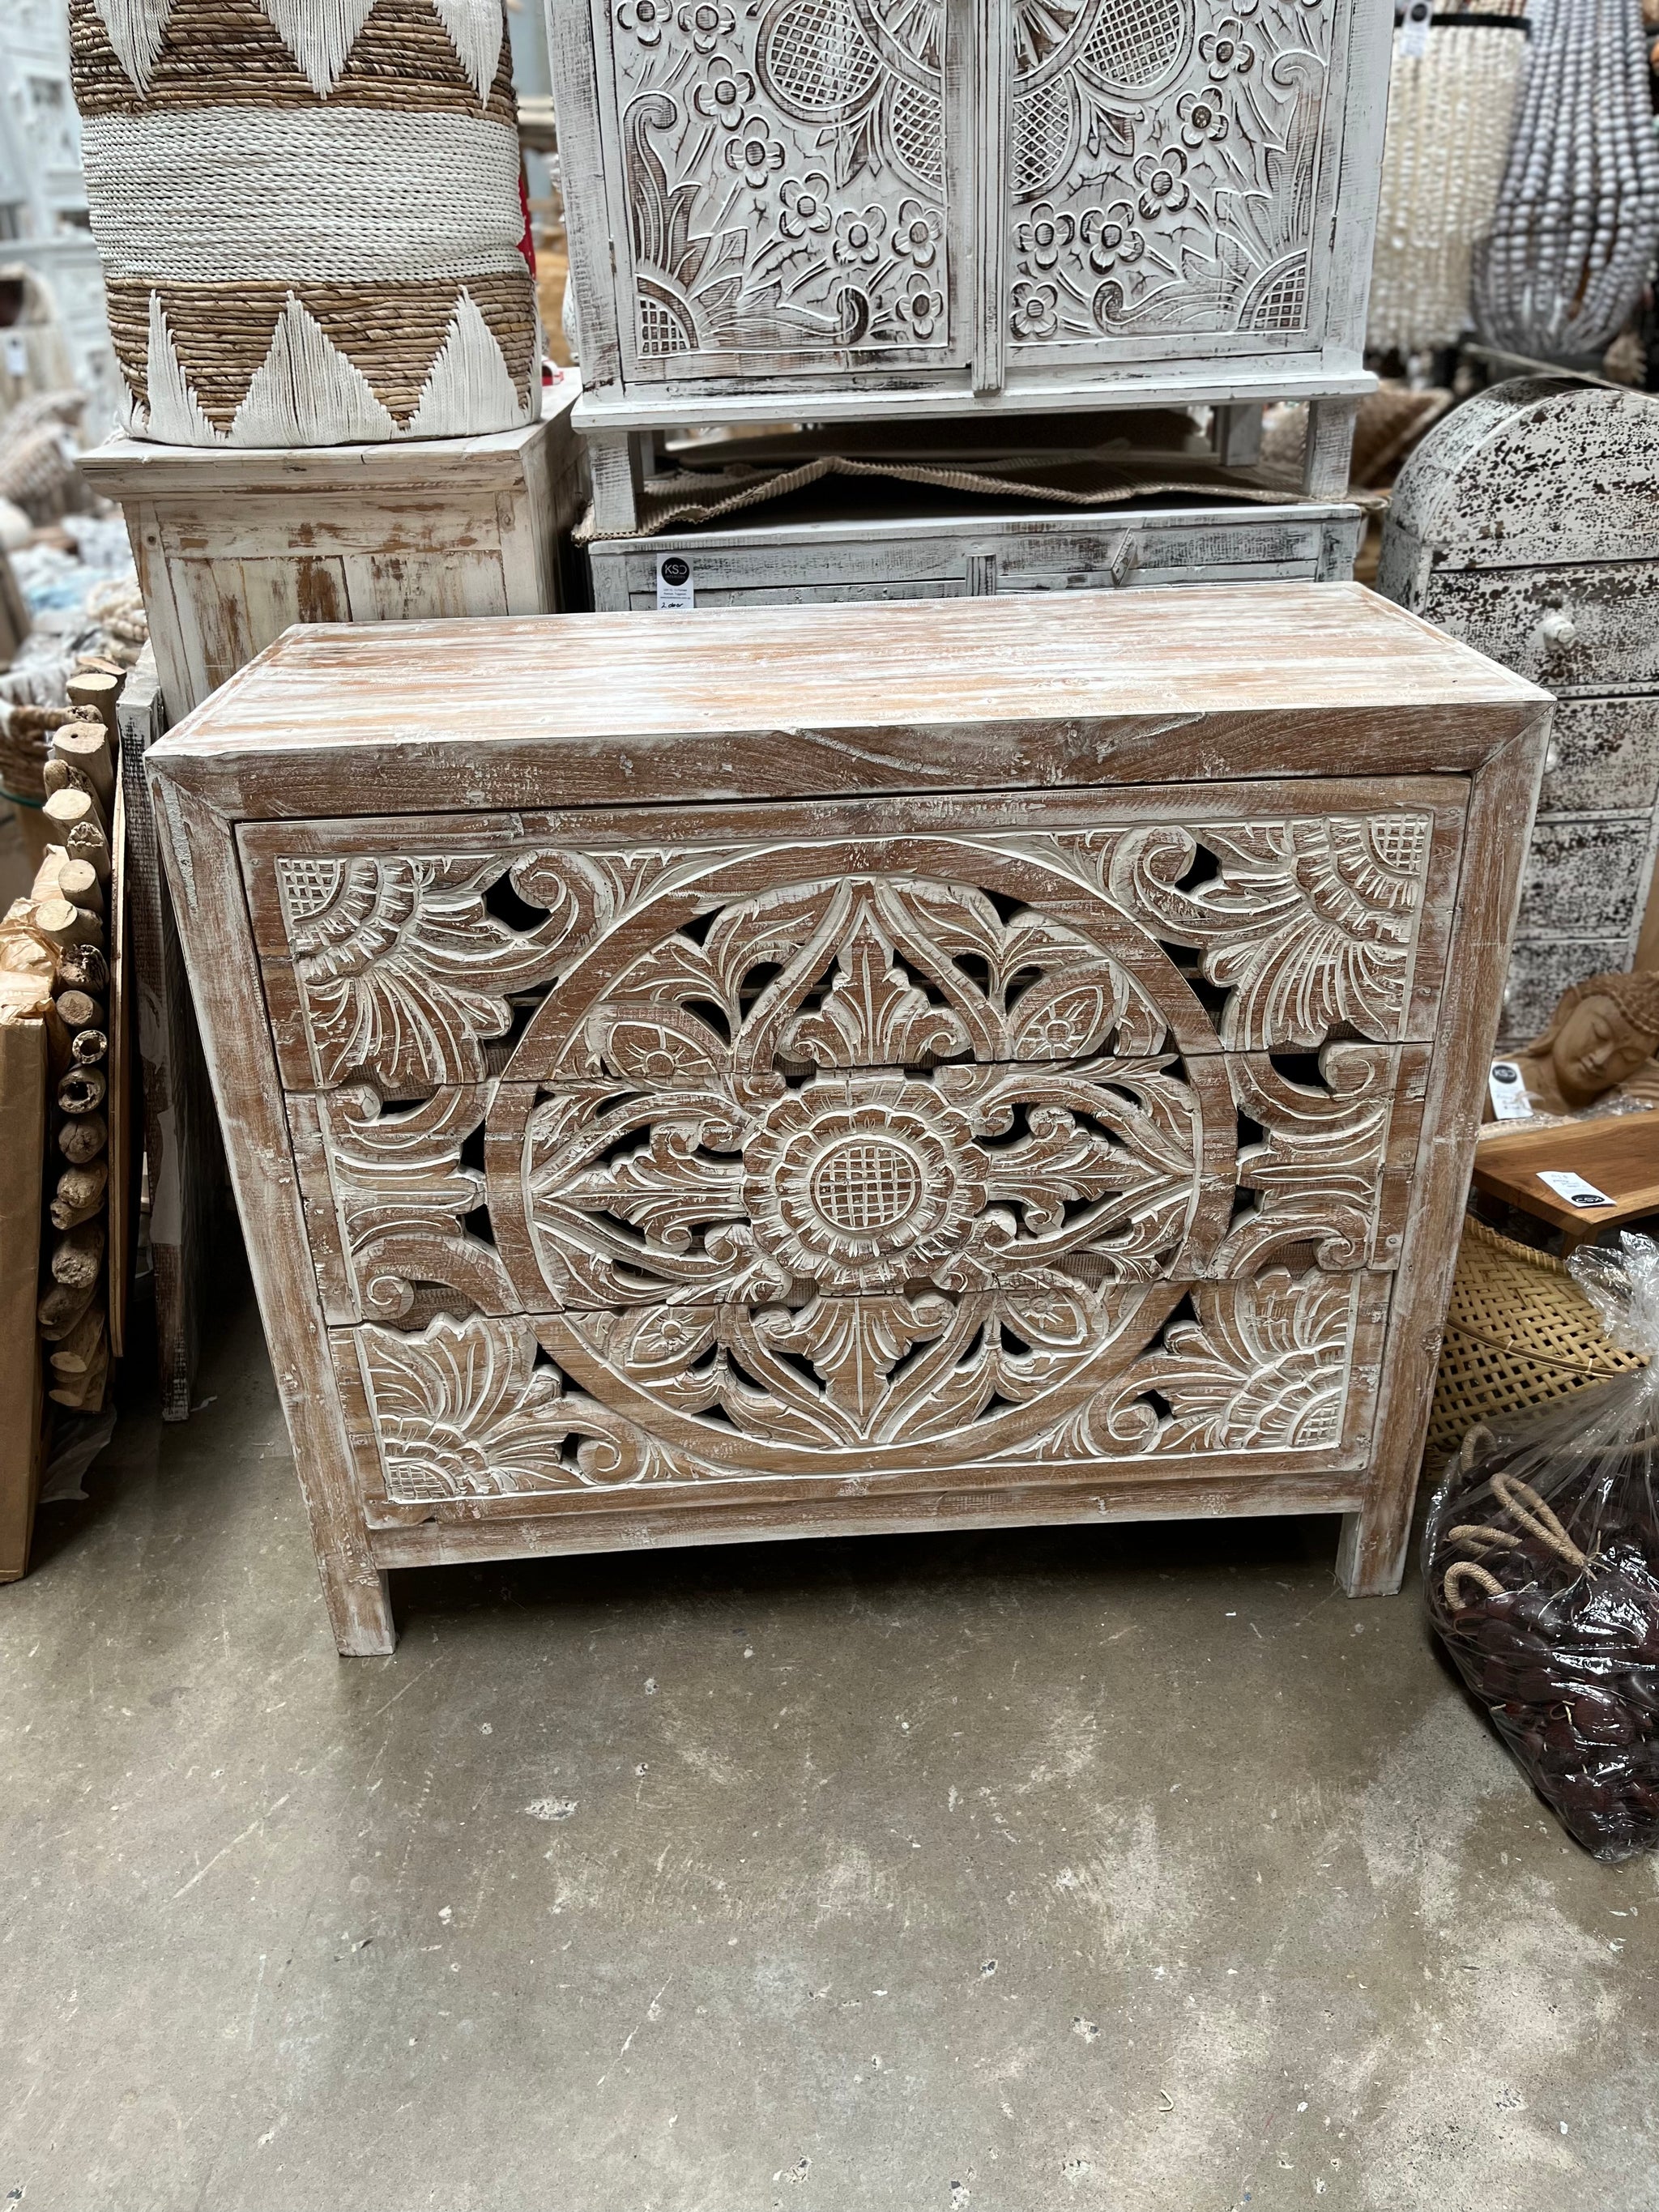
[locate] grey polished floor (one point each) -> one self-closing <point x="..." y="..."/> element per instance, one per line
<point x="1133" y="1870"/>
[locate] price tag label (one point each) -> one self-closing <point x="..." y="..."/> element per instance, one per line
<point x="1509" y="1092"/>
<point x="1573" y="1187"/>
<point x="1413" y="41"/>
<point x="17" y="358"/>
<point x="674" y="585"/>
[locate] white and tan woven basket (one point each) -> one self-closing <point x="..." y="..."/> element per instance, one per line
<point x="309" y="217"/>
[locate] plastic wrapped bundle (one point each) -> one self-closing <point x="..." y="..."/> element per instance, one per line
<point x="1542" y="1563"/>
<point x="309" y="217"/>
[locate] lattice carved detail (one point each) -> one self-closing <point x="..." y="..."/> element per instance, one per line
<point x="849" y="1391"/>
<point x="1165" y="159"/>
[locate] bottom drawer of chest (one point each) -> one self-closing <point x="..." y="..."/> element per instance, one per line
<point x="483" y="1417"/>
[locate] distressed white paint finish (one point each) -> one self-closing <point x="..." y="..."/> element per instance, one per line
<point x="948" y="205"/>
<point x="1047" y="1091"/>
<point x="233" y="545"/>
<point x="1527" y="523"/>
<point x="794" y="563"/>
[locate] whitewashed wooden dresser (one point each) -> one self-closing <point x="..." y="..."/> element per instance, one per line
<point x="695" y="1077"/>
<point x="1527" y="523"/>
<point x="845" y="209"/>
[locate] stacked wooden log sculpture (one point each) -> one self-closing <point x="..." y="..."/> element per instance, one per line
<point x="64" y="924"/>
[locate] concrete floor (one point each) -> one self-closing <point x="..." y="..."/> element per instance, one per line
<point x="1127" y="1870"/>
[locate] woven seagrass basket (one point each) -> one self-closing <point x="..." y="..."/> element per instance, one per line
<point x="309" y="217"/>
<point x="1519" y="1333"/>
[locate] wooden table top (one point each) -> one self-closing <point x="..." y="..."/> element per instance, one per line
<point x="1617" y="1153"/>
<point x="1039" y="691"/>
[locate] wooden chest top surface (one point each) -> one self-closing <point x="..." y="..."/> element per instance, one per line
<point x="1093" y="689"/>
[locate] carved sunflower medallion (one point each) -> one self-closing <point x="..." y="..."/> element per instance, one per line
<point x="864" y="1185"/>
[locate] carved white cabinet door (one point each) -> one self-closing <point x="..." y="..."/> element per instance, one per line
<point x="1169" y="160"/>
<point x="795" y="183"/>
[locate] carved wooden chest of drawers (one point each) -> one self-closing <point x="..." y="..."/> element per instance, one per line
<point x="1527" y="523"/>
<point x="775" y="563"/>
<point x="693" y="1077"/>
<point x="889" y="209"/>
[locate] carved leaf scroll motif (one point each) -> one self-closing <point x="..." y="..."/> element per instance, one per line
<point x="835" y="1162"/>
<point x="463" y="1410"/>
<point x="403" y="1195"/>
<point x="401" y="969"/>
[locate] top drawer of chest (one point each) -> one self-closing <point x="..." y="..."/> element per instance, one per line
<point x="747" y="946"/>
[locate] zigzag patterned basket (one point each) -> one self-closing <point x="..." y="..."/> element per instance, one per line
<point x="309" y="218"/>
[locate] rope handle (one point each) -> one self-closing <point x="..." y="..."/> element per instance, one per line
<point x="1467" y="1570"/>
<point x="1522" y="1504"/>
<point x="1483" y="1541"/>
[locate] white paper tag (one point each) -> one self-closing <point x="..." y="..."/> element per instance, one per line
<point x="1573" y="1187"/>
<point x="1413" y="41"/>
<point x="17" y="358"/>
<point x="1509" y="1092"/>
<point x="674" y="585"/>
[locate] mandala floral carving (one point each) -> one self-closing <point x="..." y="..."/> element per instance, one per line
<point x="838" y="1159"/>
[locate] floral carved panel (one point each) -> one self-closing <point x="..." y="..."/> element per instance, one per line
<point x="1164" y="168"/>
<point x="846" y="1393"/>
<point x="784" y="176"/>
<point x="838" y="1158"/>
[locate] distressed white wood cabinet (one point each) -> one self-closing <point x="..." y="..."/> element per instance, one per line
<point x="975" y="556"/>
<point x="730" y="1075"/>
<point x="234" y="544"/>
<point x="849" y="207"/>
<point x="1527" y="523"/>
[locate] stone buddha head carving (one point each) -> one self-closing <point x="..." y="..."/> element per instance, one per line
<point x="1604" y="1030"/>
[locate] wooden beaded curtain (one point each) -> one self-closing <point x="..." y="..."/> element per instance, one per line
<point x="1572" y="240"/>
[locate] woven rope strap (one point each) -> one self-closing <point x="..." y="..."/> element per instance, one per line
<point x="658" y="515"/>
